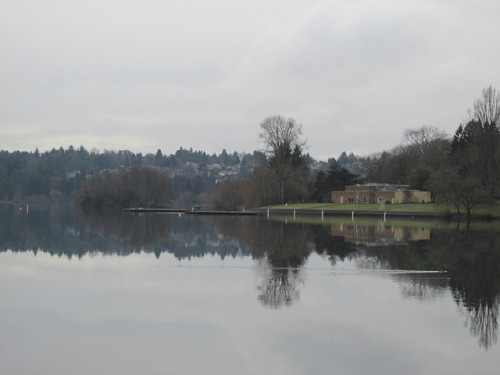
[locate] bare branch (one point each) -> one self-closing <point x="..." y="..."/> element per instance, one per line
<point x="487" y="107"/>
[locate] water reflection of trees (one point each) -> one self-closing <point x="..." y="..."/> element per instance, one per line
<point x="38" y="229"/>
<point x="470" y="262"/>
<point x="471" y="259"/>
<point x="286" y="251"/>
<point x="481" y="314"/>
<point x="279" y="286"/>
<point x="334" y="248"/>
<point x="476" y="286"/>
<point x="282" y="249"/>
<point x="130" y="230"/>
<point x="62" y="231"/>
<point x="422" y="286"/>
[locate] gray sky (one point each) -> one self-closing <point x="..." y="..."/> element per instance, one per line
<point x="143" y="75"/>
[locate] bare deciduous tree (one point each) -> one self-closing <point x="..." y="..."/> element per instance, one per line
<point x="422" y="138"/>
<point x="279" y="136"/>
<point x="486" y="109"/>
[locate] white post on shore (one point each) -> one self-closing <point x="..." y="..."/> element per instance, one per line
<point x="352" y="216"/>
<point x="385" y="213"/>
<point x="322" y="214"/>
<point x="268" y="213"/>
<point x="294" y="214"/>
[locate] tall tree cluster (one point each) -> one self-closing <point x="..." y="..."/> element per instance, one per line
<point x="334" y="179"/>
<point x="471" y="173"/>
<point x="281" y="138"/>
<point x="422" y="151"/>
<point x="61" y="173"/>
<point x="463" y="169"/>
<point x="282" y="175"/>
<point x="129" y="187"/>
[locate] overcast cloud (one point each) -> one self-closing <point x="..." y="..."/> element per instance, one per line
<point x="144" y="75"/>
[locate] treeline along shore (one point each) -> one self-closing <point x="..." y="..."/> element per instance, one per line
<point x="461" y="171"/>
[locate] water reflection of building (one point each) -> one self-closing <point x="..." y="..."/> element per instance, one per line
<point x="378" y="193"/>
<point x="358" y="233"/>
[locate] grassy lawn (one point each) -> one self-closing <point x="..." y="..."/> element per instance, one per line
<point x="486" y="209"/>
<point x="360" y="207"/>
<point x="481" y="209"/>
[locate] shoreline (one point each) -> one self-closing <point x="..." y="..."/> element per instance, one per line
<point x="314" y="212"/>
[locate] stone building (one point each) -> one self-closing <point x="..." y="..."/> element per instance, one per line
<point x="380" y="193"/>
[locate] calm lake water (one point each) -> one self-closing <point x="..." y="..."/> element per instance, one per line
<point x="104" y="293"/>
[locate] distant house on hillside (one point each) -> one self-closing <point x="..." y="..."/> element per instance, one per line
<point x="380" y="193"/>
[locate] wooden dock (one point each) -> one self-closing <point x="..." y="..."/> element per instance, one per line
<point x="195" y="212"/>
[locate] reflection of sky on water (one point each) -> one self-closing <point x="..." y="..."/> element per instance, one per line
<point x="106" y="314"/>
